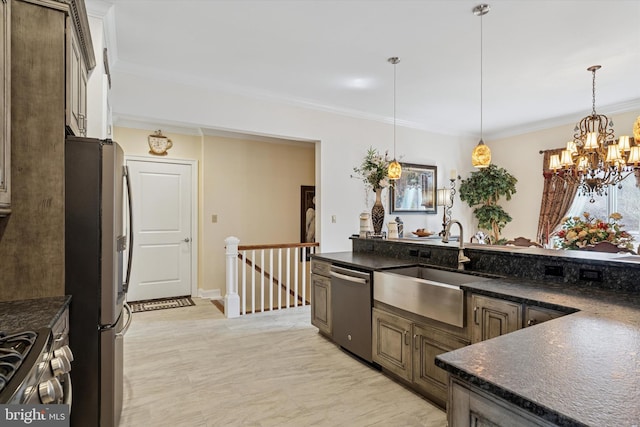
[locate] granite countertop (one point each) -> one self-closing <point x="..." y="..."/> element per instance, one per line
<point x="364" y="260"/>
<point x="31" y="314"/>
<point x="579" y="369"/>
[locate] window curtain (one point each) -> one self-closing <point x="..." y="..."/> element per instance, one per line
<point x="557" y="198"/>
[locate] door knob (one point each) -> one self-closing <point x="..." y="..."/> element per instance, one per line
<point x="187" y="240"/>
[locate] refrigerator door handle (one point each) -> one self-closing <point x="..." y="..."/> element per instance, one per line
<point x="125" y="171"/>
<point x="126" y="325"/>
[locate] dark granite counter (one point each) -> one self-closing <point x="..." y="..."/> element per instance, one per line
<point x="580" y="369"/>
<point x="31" y="314"/>
<point x="363" y="260"/>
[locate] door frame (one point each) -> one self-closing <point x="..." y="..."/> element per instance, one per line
<point x="195" y="241"/>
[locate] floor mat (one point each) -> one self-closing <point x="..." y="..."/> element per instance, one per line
<point x="160" y="304"/>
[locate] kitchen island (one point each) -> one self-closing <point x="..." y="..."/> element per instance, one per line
<point x="580" y="369"/>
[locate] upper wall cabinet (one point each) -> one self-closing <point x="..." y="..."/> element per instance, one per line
<point x="5" y="108"/>
<point x="80" y="60"/>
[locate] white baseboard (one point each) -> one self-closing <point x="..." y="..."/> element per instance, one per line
<point x="209" y="293"/>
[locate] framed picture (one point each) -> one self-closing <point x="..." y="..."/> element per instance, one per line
<point x="307" y="215"/>
<point x="415" y="191"/>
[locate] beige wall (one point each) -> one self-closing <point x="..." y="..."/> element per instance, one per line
<point x="252" y="186"/>
<point x="254" y="189"/>
<point x="520" y="156"/>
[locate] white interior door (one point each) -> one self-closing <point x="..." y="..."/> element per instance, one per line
<point x="162" y="226"/>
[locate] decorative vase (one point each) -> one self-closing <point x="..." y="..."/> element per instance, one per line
<point x="377" y="213"/>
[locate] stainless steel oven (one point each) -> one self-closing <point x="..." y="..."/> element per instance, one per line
<point x="34" y="369"/>
<point x="351" y="310"/>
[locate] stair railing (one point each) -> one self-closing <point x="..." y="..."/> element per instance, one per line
<point x="258" y="283"/>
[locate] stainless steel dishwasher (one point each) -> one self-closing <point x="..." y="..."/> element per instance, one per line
<point x="351" y="302"/>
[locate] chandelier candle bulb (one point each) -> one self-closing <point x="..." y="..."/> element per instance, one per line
<point x="634" y="155"/>
<point x="565" y="159"/>
<point x="592" y="141"/>
<point x="613" y="153"/>
<point x="623" y="143"/>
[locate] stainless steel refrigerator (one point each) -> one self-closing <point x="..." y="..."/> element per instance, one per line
<point x="97" y="267"/>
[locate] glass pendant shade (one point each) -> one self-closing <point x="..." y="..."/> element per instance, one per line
<point x="395" y="170"/>
<point x="554" y="162"/>
<point x="481" y="156"/>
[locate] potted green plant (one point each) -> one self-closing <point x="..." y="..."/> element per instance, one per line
<point x="482" y="191"/>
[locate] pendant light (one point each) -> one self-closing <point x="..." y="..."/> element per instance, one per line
<point x="481" y="156"/>
<point x="395" y="170"/>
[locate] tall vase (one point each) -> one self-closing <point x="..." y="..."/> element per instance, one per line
<point x="377" y="213"/>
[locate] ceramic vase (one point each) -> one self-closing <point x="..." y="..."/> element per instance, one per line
<point x="377" y="213"/>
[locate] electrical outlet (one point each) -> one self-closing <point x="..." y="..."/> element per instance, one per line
<point x="214" y="218"/>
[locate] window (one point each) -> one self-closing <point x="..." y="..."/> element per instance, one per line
<point x="624" y="200"/>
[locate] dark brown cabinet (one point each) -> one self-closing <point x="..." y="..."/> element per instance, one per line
<point x="493" y="317"/>
<point x="408" y="349"/>
<point x="76" y="95"/>
<point x="5" y="108"/>
<point x="321" y="297"/>
<point x="534" y="315"/>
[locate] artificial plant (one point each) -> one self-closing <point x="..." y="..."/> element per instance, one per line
<point x="482" y="191"/>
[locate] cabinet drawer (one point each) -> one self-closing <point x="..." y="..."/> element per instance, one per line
<point x="320" y="267"/>
<point x="534" y="315"/>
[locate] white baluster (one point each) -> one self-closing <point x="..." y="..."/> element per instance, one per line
<point x="262" y="280"/>
<point x="231" y="298"/>
<point x="288" y="275"/>
<point x="253" y="281"/>
<point x="244" y="282"/>
<point x="304" y="276"/>
<point x="296" y="254"/>
<point x="280" y="279"/>
<point x="270" y="279"/>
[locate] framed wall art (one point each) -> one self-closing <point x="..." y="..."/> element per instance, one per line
<point x="415" y="191"/>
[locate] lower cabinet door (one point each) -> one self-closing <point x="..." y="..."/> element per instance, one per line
<point x="471" y="407"/>
<point x="429" y="342"/>
<point x="392" y="343"/>
<point x="493" y="317"/>
<point x="321" y="303"/>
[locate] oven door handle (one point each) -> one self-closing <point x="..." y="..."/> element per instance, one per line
<point x="349" y="278"/>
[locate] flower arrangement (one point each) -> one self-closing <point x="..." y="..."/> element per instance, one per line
<point x="578" y="232"/>
<point x="373" y="170"/>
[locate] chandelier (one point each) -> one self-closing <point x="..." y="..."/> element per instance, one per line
<point x="594" y="160"/>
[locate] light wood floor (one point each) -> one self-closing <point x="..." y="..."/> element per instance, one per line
<point x="192" y="367"/>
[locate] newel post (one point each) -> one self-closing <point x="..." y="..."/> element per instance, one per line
<point x="231" y="298"/>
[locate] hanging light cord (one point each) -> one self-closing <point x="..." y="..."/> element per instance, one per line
<point x="481" y="44"/>
<point x="593" y="92"/>
<point x="394" y="109"/>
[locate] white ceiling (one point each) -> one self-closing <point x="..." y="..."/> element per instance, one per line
<point x="332" y="55"/>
